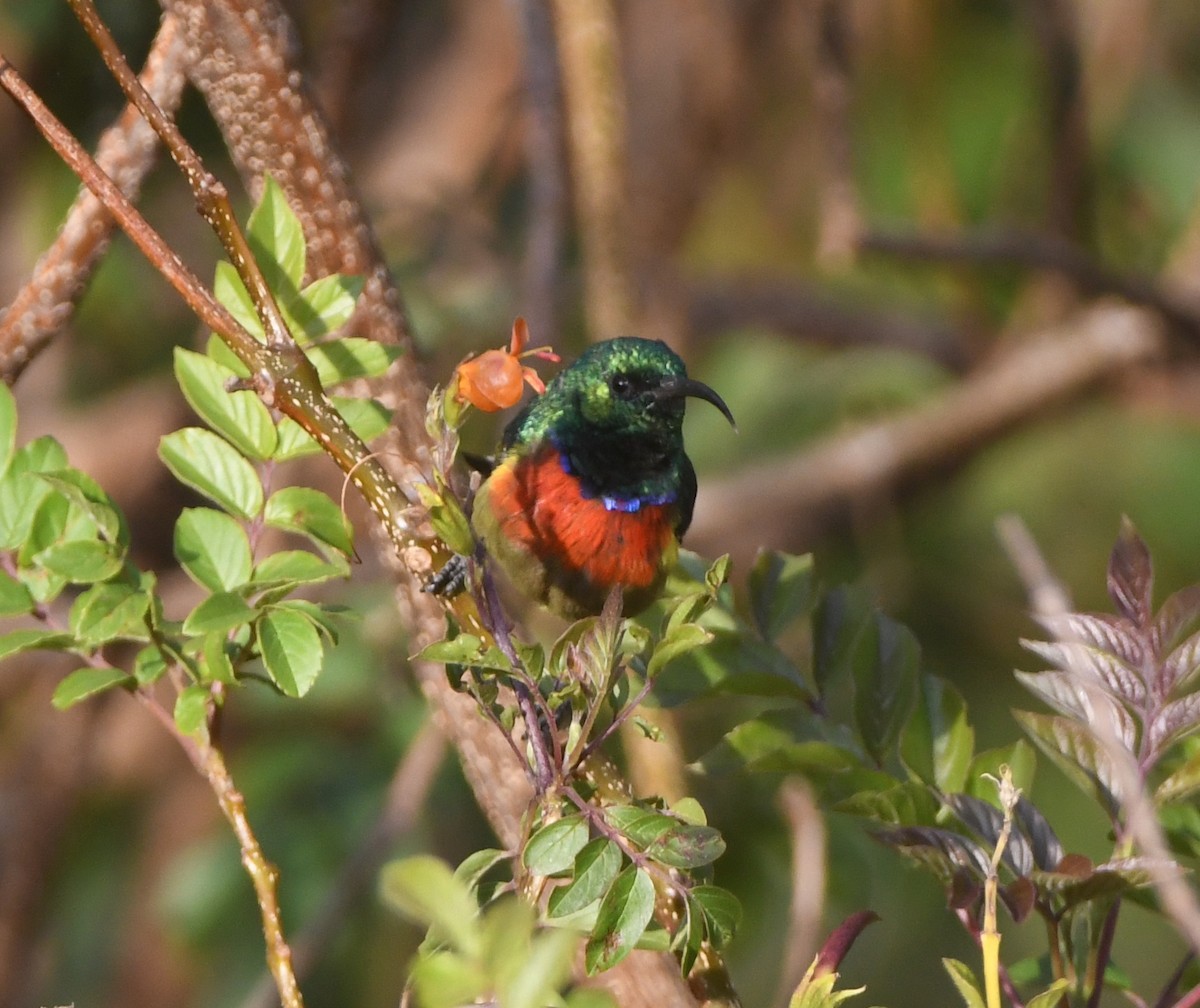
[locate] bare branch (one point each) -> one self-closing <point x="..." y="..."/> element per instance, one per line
<point x="126" y="154"/>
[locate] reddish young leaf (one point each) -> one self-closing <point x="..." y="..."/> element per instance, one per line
<point x="1131" y="575"/>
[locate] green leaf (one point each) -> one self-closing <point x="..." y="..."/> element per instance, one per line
<point x="552" y="848"/>
<point x="1181" y="784"/>
<point x="625" y="912"/>
<point x="474" y="866"/>
<point x="310" y="513"/>
<point x="232" y="293"/>
<point x="277" y="240"/>
<point x="444" y="979"/>
<point x="17" y="641"/>
<point x="840" y="617"/>
<point x="20" y="495"/>
<point x="289" y="568"/>
<point x="213" y="549"/>
<point x="83" y="561"/>
<point x="596" y="866"/>
<point x="938" y="742"/>
<point x="219" y="613"/>
<point x="687" y="846"/>
<point x="424" y="889"/>
<point x="722" y="911"/>
<point x="149" y="665"/>
<point x="340" y="360"/>
<point x="86" y="682"/>
<point x="964" y="982"/>
<point x="291" y="650"/>
<point x="641" y="826"/>
<point x="109" y="612"/>
<point x="1020" y="759"/>
<point x="191" y="710"/>
<point x="239" y="417"/>
<point x="8" y="426"/>
<point x="781" y="591"/>
<point x="15" y="599"/>
<point x="447" y="519"/>
<point x="331" y="300"/>
<point x="87" y="495"/>
<point x="215" y="665"/>
<point x="1051" y="996"/>
<point x="682" y="640"/>
<point x="533" y="979"/>
<point x="886" y="658"/>
<point x="212" y="466"/>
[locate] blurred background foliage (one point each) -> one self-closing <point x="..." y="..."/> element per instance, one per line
<point x="773" y="147"/>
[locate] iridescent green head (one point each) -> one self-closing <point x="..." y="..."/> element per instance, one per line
<point x="616" y="415"/>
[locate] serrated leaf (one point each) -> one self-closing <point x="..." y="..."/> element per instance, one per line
<point x="781" y="591"/>
<point x="341" y="360"/>
<point x="212" y="466"/>
<point x="108" y="612"/>
<point x="552" y="849"/>
<point x="1178" y="718"/>
<point x="1102" y="631"/>
<point x="291" y="651"/>
<point x="964" y="982"/>
<point x="17" y="641"/>
<point x="938" y="742"/>
<point x="1107" y="669"/>
<point x="220" y="612"/>
<point x="239" y="417"/>
<point x="213" y="549"/>
<point x="277" y="240"/>
<point x="424" y="889"/>
<point x="191" y="710"/>
<point x="15" y="599"/>
<point x="1076" y="752"/>
<point x="1066" y="694"/>
<point x="1131" y="575"/>
<point x="596" y="866"/>
<point x="87" y="682"/>
<point x="625" y="912"/>
<point x="309" y="513"/>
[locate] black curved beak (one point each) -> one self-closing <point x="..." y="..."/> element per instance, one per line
<point x="677" y="388"/>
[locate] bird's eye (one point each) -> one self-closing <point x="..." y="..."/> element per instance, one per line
<point x="623" y="386"/>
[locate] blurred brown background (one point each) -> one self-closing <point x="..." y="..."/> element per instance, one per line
<point x="899" y="238"/>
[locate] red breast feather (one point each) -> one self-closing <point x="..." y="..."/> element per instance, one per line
<point x="566" y="549"/>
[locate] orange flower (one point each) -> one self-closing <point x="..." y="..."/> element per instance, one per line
<point x="496" y="378"/>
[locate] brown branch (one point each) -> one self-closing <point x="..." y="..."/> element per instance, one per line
<point x="794" y="500"/>
<point x="405" y="795"/>
<point x="1036" y="250"/>
<point x="807" y="828"/>
<point x="595" y="100"/>
<point x="126" y="154"/>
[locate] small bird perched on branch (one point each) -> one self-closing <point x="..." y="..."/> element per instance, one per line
<point x="592" y="488"/>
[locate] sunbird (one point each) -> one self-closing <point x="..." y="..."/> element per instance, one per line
<point x="591" y="488"/>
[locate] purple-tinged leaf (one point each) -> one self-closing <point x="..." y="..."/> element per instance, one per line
<point x="1076" y="752"/>
<point x="1047" y="849"/>
<point x="1180" y="667"/>
<point x="840" y="941"/>
<point x="1175" y="617"/>
<point x="1082" y="881"/>
<point x="942" y="850"/>
<point x="986" y="822"/>
<point x="1131" y="576"/>
<point x="687" y="846"/>
<point x="1113" y="673"/>
<point x="1099" y="630"/>
<point x="1019" y="896"/>
<point x="1175" y="720"/>
<point x="1067" y="695"/>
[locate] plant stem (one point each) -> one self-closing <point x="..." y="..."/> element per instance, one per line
<point x="1103" y="953"/>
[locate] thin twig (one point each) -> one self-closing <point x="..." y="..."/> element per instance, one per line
<point x="806" y="827"/>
